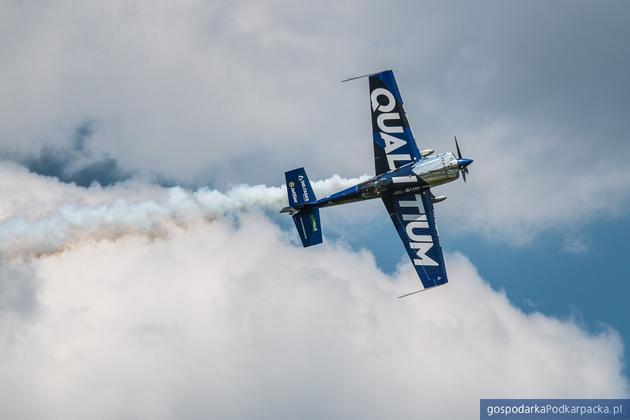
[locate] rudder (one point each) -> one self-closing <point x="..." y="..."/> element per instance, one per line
<point x="299" y="188"/>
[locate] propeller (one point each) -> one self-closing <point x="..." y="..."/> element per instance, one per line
<point x="463" y="163"/>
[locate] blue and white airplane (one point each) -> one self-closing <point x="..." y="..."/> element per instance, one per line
<point x="404" y="177"/>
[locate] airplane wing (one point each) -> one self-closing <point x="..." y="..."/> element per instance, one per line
<point x="412" y="214"/>
<point x="394" y="144"/>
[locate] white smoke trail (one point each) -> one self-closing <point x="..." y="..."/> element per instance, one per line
<point x="22" y="238"/>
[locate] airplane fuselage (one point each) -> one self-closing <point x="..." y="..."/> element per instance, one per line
<point x="415" y="176"/>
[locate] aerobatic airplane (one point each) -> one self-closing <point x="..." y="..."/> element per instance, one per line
<point x="404" y="177"/>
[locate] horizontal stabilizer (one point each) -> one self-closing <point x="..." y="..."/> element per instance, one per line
<point x="308" y="226"/>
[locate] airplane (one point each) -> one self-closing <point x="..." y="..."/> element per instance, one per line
<point x="404" y="178"/>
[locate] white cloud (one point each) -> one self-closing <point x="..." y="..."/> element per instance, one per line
<point x="521" y="185"/>
<point x="241" y="91"/>
<point x="186" y="88"/>
<point x="226" y="320"/>
<point x="124" y="302"/>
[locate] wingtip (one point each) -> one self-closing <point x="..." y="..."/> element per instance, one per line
<point x="411" y="293"/>
<point x="363" y="75"/>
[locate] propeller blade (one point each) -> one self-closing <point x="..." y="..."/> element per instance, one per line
<point x="459" y="153"/>
<point x="463" y="163"/>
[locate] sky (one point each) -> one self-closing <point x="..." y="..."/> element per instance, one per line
<point x="144" y="270"/>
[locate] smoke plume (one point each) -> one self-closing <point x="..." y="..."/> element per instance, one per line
<point x="112" y="218"/>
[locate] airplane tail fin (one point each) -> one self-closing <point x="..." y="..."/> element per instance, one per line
<point x="299" y="188"/>
<point x="305" y="217"/>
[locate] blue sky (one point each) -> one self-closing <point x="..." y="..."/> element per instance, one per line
<point x="127" y="131"/>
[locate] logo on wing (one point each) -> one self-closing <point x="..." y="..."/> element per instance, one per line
<point x="293" y="192"/>
<point x="418" y="231"/>
<point x="383" y="105"/>
<point x="304" y="190"/>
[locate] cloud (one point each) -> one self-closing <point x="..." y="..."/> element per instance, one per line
<point x="229" y="320"/>
<point x="176" y="95"/>
<point x="577" y="245"/>
<point x="140" y="301"/>
<point x="519" y="189"/>
<point x="74" y="163"/>
<point x="152" y="303"/>
<point x="18" y="287"/>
